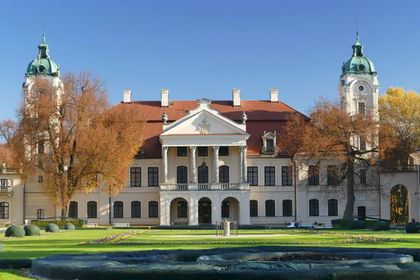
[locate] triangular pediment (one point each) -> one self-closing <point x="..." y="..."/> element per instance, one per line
<point x="204" y="122"/>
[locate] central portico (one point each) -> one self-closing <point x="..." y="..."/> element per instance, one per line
<point x="204" y="168"/>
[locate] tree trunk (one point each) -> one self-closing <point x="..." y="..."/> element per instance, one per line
<point x="64" y="210"/>
<point x="348" y="212"/>
<point x="109" y="211"/>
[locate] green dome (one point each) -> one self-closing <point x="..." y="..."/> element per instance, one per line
<point x="43" y="64"/>
<point x="358" y="63"/>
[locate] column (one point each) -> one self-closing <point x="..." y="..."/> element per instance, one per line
<point x="165" y="211"/>
<point x="245" y="165"/>
<point x="165" y="163"/>
<point x="193" y="165"/>
<point x="216" y="163"/>
<point x="216" y="210"/>
<point x="193" y="211"/>
<point x="244" y="218"/>
<point x="242" y="150"/>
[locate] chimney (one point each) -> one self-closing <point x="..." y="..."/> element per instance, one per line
<point x="236" y="97"/>
<point x="274" y="95"/>
<point x="127" y="96"/>
<point x="164" y="100"/>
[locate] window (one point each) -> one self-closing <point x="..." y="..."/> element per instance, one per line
<point x="362" y="144"/>
<point x="253" y="208"/>
<point x="73" y="210"/>
<point x="153" y="209"/>
<point x="4" y="183"/>
<point x="313" y="175"/>
<point x="223" y="151"/>
<point x="361" y="213"/>
<point x="314" y="207"/>
<point x="135" y="177"/>
<point x="40" y="179"/>
<point x="92" y="210"/>
<point x="287" y="208"/>
<point x="225" y="209"/>
<point x="40" y="214"/>
<point x="332" y="207"/>
<point x="361" y="108"/>
<point x="203" y="174"/>
<point x="4" y="210"/>
<point x="252" y="175"/>
<point x="332" y="175"/>
<point x="362" y="174"/>
<point x="135" y="209"/>
<point x="270" y="175"/>
<point x="203" y="151"/>
<point x="153" y="176"/>
<point x="181" y="151"/>
<point x="118" y="209"/>
<point x="270" y="208"/>
<point x="41" y="147"/>
<point x="269" y="145"/>
<point x="181" y="175"/>
<point x="224" y="174"/>
<point x="286" y="175"/>
<point x="182" y="209"/>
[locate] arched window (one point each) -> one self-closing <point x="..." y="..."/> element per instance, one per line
<point x="270" y="208"/>
<point x="313" y="207"/>
<point x="253" y="208"/>
<point x="203" y="174"/>
<point x="182" y="209"/>
<point x="224" y="174"/>
<point x="287" y="208"/>
<point x="181" y="175"/>
<point x="73" y="210"/>
<point x="92" y="210"/>
<point x="118" y="209"/>
<point x="153" y="209"/>
<point x="40" y="214"/>
<point x="332" y="207"/>
<point x="4" y="210"/>
<point x="135" y="209"/>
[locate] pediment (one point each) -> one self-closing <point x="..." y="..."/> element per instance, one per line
<point x="204" y="122"/>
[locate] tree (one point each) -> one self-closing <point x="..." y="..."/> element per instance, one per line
<point x="332" y="134"/>
<point x="74" y="138"/>
<point x="400" y="112"/>
<point x="7" y="132"/>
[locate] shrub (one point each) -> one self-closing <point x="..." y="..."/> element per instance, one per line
<point x="69" y="226"/>
<point x="60" y="223"/>
<point x="31" y="230"/>
<point x="14" y="231"/>
<point x="52" y="228"/>
<point x="381" y="225"/>
<point x="412" y="227"/>
<point x="357" y="225"/>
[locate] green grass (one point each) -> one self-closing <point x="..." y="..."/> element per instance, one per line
<point x="145" y="239"/>
<point x="12" y="274"/>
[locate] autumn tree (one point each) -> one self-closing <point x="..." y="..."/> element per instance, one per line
<point x="74" y="138"/>
<point x="332" y="134"/>
<point x="400" y="111"/>
<point x="7" y="132"/>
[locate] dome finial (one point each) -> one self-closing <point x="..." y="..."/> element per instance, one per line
<point x="43" y="38"/>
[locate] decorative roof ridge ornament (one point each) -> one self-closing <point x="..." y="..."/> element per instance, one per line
<point x="244" y="117"/>
<point x="164" y="118"/>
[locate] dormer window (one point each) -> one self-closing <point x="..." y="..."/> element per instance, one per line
<point x="269" y="143"/>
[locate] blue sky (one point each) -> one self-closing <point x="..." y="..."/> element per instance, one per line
<point x="205" y="48"/>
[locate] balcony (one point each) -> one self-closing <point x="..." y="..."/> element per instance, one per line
<point x="205" y="187"/>
<point x="5" y="189"/>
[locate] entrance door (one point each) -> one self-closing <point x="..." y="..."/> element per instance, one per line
<point x="204" y="211"/>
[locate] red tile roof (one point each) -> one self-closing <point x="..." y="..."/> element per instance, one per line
<point x="262" y="116"/>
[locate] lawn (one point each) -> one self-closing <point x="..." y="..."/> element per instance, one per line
<point x="113" y="240"/>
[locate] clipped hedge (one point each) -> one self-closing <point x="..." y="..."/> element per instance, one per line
<point x="14" y="231"/>
<point x="357" y="225"/>
<point x="69" y="226"/>
<point x="381" y="225"/>
<point x="32" y="230"/>
<point x="52" y="228"/>
<point x="61" y="223"/>
<point x="412" y="227"/>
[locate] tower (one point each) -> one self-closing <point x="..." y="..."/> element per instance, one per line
<point x="42" y="67"/>
<point x="359" y="86"/>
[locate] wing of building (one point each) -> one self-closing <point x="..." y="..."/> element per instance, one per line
<point x="206" y="160"/>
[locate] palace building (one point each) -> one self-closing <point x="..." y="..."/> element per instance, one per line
<point x="205" y="160"/>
